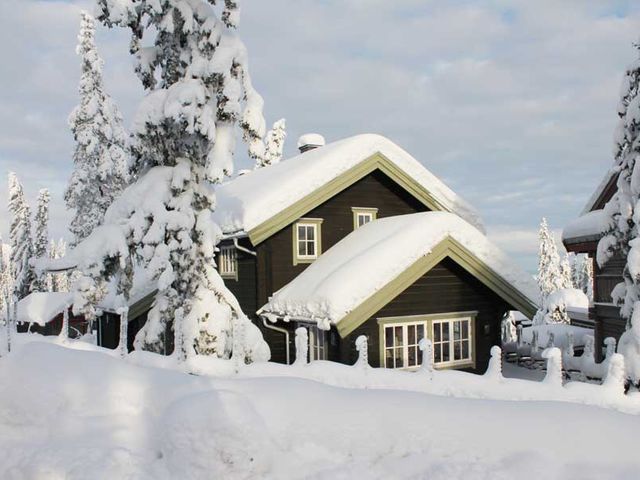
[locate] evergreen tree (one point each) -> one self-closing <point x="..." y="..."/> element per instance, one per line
<point x="274" y="144"/>
<point x="20" y="237"/>
<point x="549" y="275"/>
<point x="41" y="238"/>
<point x="6" y="279"/>
<point x="196" y="75"/>
<point x="58" y="282"/>
<point x="100" y="157"/>
<point x="583" y="274"/>
<point x="566" y="273"/>
<point x="623" y="209"/>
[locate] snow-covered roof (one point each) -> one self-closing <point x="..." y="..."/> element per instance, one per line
<point x="250" y="200"/>
<point x="595" y="196"/>
<point x="42" y="307"/>
<point x="369" y="258"/>
<point x="590" y="225"/>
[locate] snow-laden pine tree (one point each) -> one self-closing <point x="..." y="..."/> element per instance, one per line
<point x="194" y="68"/>
<point x="622" y="210"/>
<point x="549" y="276"/>
<point x="20" y="239"/>
<point x="41" y="236"/>
<point x="583" y="274"/>
<point x="6" y="279"/>
<point x="274" y="144"/>
<point x="566" y="273"/>
<point x="100" y="157"/>
<point x="58" y="281"/>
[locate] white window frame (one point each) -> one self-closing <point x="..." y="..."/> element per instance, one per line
<point x="428" y="322"/>
<point x="371" y="213"/>
<point x="318" y="343"/>
<point x="228" y="262"/>
<point x="450" y="344"/>
<point x="316" y="225"/>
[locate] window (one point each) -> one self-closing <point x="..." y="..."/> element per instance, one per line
<point x="450" y="334"/>
<point x="228" y="262"/>
<point x="363" y="215"/>
<point x="317" y="343"/>
<point x="307" y="240"/>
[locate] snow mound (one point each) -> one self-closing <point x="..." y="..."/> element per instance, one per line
<point x="319" y="291"/>
<point x="314" y="139"/>
<point x="568" y="299"/>
<point x="42" y="307"/>
<point x="249" y="200"/>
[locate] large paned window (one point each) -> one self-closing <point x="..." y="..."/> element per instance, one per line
<point x="228" y="262"/>
<point x="362" y="216"/>
<point x="450" y="334"/>
<point x="307" y="245"/>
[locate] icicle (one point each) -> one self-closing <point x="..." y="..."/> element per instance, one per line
<point x="494" y="370"/>
<point x="362" y="346"/>
<point x="554" y="366"/>
<point x="302" y="346"/>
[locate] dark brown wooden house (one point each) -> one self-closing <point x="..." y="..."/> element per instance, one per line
<point x="280" y="219"/>
<point x="582" y="236"/>
<point x="42" y="312"/>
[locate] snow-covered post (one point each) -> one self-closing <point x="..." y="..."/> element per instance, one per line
<point x="535" y="347"/>
<point x="509" y="334"/>
<point x="302" y="346"/>
<point x="426" y="347"/>
<point x="610" y="344"/>
<point x="569" y="349"/>
<point x="494" y="369"/>
<point x="589" y="348"/>
<point x="551" y="340"/>
<point x="178" y="335"/>
<point x="124" y="331"/>
<point x="64" y="329"/>
<point x="519" y="339"/>
<point x="554" y="366"/>
<point x="615" y="379"/>
<point x="362" y="346"/>
<point x="238" y="355"/>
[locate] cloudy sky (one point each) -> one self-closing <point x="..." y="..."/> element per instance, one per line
<point x="512" y="103"/>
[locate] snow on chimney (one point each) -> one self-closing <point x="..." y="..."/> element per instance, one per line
<point x="309" y="141"/>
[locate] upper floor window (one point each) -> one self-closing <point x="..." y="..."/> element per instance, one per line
<point x="228" y="262"/>
<point x="307" y="245"/>
<point x="362" y="215"/>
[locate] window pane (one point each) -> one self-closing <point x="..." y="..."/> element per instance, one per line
<point x="388" y="362"/>
<point x="465" y="349"/>
<point x="302" y="251"/>
<point x="437" y="353"/>
<point x="445" y="332"/>
<point x="465" y="329"/>
<point x="419" y="357"/>
<point x="302" y="232"/>
<point x="311" y="233"/>
<point x="436" y="332"/>
<point x="412" y="357"/>
<point x="457" y="355"/>
<point x="411" y="331"/>
<point x="398" y="337"/>
<point x="420" y="332"/>
<point x="445" y="353"/>
<point x="311" y="249"/>
<point x="456" y="330"/>
<point x="388" y="335"/>
<point x="399" y="358"/>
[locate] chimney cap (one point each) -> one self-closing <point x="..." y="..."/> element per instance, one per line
<point x="309" y="141"/>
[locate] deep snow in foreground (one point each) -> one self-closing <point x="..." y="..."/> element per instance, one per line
<point x="77" y="414"/>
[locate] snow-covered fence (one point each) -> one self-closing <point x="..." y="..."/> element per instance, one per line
<point x="494" y="370"/>
<point x="302" y="346"/>
<point x="426" y="347"/>
<point x="554" y="366"/>
<point x="362" y="346"/>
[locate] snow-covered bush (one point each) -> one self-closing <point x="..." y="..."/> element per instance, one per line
<point x="556" y="305"/>
<point x="629" y="347"/>
<point x="302" y="346"/>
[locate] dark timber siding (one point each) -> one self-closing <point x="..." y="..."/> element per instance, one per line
<point x="244" y="288"/>
<point x="376" y="190"/>
<point x="444" y="289"/>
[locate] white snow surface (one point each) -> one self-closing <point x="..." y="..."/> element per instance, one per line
<point x="374" y="254"/>
<point x="559" y="331"/>
<point x="251" y="199"/>
<point x="41" y="307"/>
<point x="143" y="418"/>
<point x="311" y="139"/>
<point x="589" y="224"/>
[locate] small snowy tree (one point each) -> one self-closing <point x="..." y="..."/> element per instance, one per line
<point x="41" y="238"/>
<point x="195" y="71"/>
<point x="566" y="273"/>
<point x="549" y="277"/>
<point x="583" y="274"/>
<point x="274" y="144"/>
<point x="6" y="278"/>
<point x="20" y="236"/>
<point x="58" y="281"/>
<point x="622" y="209"/>
<point x="100" y="157"/>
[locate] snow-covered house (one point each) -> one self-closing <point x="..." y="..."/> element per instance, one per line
<point x="280" y="220"/>
<point x="42" y="312"/>
<point x="582" y="235"/>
